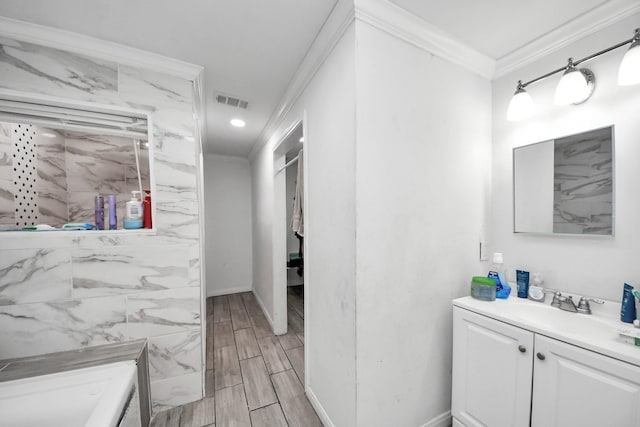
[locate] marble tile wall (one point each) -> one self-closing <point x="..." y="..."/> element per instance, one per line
<point x="7" y="208"/>
<point x="100" y="164"/>
<point x="60" y="292"/>
<point x="583" y="183"/>
<point x="73" y="167"/>
<point x="51" y="183"/>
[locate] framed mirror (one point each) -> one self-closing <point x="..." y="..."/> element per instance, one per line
<point x="565" y="186"/>
<point x="55" y="158"/>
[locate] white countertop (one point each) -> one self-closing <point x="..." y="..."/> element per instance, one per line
<point x="596" y="332"/>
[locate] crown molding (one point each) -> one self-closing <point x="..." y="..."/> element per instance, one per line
<point x="586" y="24"/>
<point x="341" y="17"/>
<point x="406" y="26"/>
<point x="90" y="46"/>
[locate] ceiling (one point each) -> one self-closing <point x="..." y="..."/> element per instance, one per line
<point x="498" y="27"/>
<point x="251" y="49"/>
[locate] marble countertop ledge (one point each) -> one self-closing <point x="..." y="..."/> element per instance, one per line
<point x="32" y="366"/>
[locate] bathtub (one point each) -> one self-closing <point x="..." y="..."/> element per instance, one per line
<point x="98" y="396"/>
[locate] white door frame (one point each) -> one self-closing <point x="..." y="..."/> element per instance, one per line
<point x="279" y="233"/>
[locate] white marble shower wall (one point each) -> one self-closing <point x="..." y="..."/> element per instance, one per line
<point x="61" y="292"/>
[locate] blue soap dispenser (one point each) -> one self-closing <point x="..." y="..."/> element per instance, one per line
<point x="499" y="274"/>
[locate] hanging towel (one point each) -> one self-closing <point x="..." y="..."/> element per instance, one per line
<point x="297" y="221"/>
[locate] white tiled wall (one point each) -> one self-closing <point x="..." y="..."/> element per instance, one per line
<point x="61" y="292"/>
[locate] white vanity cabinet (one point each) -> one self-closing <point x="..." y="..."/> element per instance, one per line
<point x="505" y="375"/>
<point x="577" y="387"/>
<point x="492" y="372"/>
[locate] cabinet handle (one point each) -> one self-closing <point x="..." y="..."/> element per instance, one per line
<point x="541" y="356"/>
<point x="522" y="349"/>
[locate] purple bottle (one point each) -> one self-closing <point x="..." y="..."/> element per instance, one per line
<point x="99" y="211"/>
<point x="113" y="218"/>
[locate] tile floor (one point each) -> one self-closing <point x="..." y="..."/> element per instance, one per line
<point x="253" y="378"/>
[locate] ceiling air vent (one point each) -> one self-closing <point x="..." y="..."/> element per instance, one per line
<point x="231" y="101"/>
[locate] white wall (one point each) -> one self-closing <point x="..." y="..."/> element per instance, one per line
<point x="329" y="103"/>
<point x="584" y="265"/>
<point x="229" y="250"/>
<point x="423" y="174"/>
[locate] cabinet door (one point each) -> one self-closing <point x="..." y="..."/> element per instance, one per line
<point x="576" y="387"/>
<point x="492" y="371"/>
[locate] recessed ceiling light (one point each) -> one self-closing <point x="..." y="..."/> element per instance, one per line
<point x="302" y="139"/>
<point x="238" y="123"/>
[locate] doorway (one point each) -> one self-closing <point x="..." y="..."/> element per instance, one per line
<point x="288" y="254"/>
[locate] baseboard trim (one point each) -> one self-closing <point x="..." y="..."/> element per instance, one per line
<point x="227" y="291"/>
<point x="442" y="420"/>
<point x="313" y="399"/>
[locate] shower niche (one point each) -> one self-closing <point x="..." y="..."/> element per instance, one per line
<point x="55" y="158"/>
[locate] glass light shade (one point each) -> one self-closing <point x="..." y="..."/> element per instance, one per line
<point x="572" y="88"/>
<point x="521" y="106"/>
<point x="629" y="72"/>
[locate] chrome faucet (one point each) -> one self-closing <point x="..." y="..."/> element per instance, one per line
<point x="567" y="304"/>
<point x="583" y="304"/>
<point x="563" y="303"/>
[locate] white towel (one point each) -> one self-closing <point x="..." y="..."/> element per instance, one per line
<point x="297" y="221"/>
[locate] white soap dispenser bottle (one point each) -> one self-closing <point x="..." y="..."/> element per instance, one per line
<point x="133" y="214"/>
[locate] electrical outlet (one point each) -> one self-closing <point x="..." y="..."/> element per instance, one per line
<point x="484" y="247"/>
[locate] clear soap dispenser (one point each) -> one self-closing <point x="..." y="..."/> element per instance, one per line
<point x="133" y="213"/>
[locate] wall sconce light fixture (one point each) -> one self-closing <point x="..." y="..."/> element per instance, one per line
<point x="577" y="84"/>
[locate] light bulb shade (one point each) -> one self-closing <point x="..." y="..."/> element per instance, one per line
<point x="575" y="87"/>
<point x="629" y="72"/>
<point x="521" y="106"/>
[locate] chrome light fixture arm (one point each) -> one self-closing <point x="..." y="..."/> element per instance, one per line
<point x="574" y="89"/>
<point x="634" y="41"/>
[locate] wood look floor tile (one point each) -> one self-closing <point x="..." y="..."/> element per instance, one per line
<point x="261" y="326"/>
<point x="231" y="407"/>
<point x="246" y="344"/>
<point x="223" y="335"/>
<point x="295" y="299"/>
<point x="257" y="383"/>
<point x="273" y="354"/>
<point x="289" y="340"/>
<point x="168" y="418"/>
<point x="209" y="346"/>
<point x="209" y="306"/>
<point x="299" y="412"/>
<point x="296" y="357"/>
<point x="209" y="384"/>
<point x="287" y="384"/>
<point x="226" y="367"/>
<point x="236" y="302"/>
<point x="221" y="309"/>
<point x="300" y="335"/>
<point x="269" y="416"/>
<point x="295" y="405"/>
<point x="240" y="319"/>
<point x="251" y="304"/>
<point x="198" y="414"/>
<point x="295" y="322"/>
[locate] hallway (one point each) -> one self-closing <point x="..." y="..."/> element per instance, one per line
<point x="253" y="378"/>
